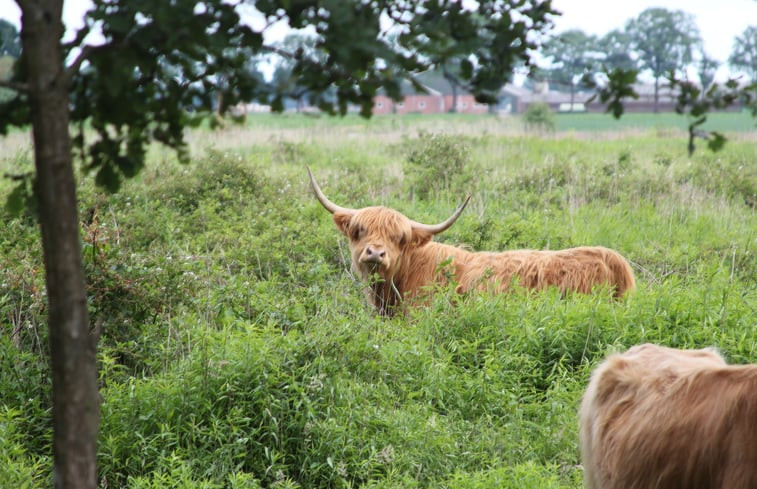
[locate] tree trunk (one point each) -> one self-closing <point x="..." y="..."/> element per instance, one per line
<point x="453" y="86"/>
<point x="453" y="109"/>
<point x="72" y="347"/>
<point x="656" y="94"/>
<point x="572" y="95"/>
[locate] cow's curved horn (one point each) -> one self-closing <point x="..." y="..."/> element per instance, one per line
<point x="438" y="228"/>
<point x="325" y="202"/>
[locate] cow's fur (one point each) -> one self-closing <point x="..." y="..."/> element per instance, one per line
<point x="662" y="418"/>
<point x="411" y="261"/>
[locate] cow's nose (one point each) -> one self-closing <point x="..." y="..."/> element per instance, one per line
<point x="373" y="254"/>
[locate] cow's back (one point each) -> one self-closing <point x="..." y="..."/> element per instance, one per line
<point x="580" y="269"/>
<point x="657" y="417"/>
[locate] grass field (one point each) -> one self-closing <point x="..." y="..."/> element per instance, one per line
<point x="237" y="350"/>
<point x="741" y="122"/>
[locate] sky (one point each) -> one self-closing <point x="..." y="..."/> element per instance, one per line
<point x="719" y="21"/>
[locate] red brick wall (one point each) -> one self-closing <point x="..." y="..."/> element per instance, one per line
<point x="412" y="104"/>
<point x="466" y="104"/>
<point x="427" y="104"/>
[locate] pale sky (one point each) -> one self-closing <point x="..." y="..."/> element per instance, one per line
<point x="719" y="21"/>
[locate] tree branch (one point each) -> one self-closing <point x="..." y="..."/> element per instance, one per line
<point x="17" y="86"/>
<point x="73" y="68"/>
<point x="277" y="50"/>
<point x="88" y="49"/>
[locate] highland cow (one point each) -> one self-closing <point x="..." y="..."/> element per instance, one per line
<point x="400" y="252"/>
<point x="662" y="418"/>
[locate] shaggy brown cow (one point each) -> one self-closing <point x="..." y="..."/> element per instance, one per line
<point x="661" y="418"/>
<point x="401" y="252"/>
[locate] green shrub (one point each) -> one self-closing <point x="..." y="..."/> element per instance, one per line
<point x="538" y="116"/>
<point x="438" y="163"/>
<point x="19" y="469"/>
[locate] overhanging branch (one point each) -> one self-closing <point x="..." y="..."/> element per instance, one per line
<point x="73" y="68"/>
<point x="276" y="50"/>
<point x="13" y="85"/>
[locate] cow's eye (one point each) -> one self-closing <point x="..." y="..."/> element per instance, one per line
<point x="357" y="231"/>
<point x="402" y="240"/>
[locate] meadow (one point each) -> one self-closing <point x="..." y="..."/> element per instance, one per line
<point x="236" y="349"/>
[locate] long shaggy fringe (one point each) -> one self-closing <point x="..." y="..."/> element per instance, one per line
<point x="657" y="417"/>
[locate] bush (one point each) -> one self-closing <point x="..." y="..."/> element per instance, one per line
<point x="19" y="469"/>
<point x="438" y="163"/>
<point x="538" y="116"/>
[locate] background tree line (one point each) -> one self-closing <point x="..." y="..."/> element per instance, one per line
<point x="657" y="43"/>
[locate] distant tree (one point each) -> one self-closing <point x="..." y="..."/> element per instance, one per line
<point x="615" y="47"/>
<point x="664" y="41"/>
<point x="451" y="71"/>
<point x="296" y="45"/>
<point x="706" y="68"/>
<point x="10" y="49"/>
<point x="536" y="78"/>
<point x="574" y="54"/>
<point x="744" y="54"/>
<point x="159" y="68"/>
<point x="10" y="40"/>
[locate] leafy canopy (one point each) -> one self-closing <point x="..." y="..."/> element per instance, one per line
<point x="164" y="65"/>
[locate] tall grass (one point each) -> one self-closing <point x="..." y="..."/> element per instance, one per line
<point x="237" y="350"/>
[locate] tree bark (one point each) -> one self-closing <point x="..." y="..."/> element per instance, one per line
<point x="656" y="94"/>
<point x="453" y="86"/>
<point x="572" y="95"/>
<point x="75" y="397"/>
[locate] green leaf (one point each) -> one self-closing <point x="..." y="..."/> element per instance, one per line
<point x="108" y="178"/>
<point x="16" y="198"/>
<point x="466" y="69"/>
<point x="22" y="197"/>
<point x="716" y="141"/>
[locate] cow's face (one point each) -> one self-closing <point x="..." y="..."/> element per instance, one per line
<point x="379" y="238"/>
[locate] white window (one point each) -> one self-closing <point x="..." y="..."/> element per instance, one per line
<point x="421" y="104"/>
<point x="379" y="105"/>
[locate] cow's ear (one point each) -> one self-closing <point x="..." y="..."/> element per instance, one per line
<point x="420" y="238"/>
<point x="342" y="221"/>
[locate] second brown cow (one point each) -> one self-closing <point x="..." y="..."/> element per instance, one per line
<point x="662" y="418"/>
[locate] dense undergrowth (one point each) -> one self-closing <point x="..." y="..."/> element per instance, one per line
<point x="236" y="349"/>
